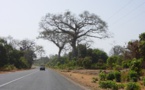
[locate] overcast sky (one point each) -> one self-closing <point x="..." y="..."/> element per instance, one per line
<point x="125" y="18"/>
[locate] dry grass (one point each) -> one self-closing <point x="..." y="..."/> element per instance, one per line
<point x="83" y="77"/>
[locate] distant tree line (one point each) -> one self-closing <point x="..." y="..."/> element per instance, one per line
<point x="75" y="32"/>
<point x="68" y="29"/>
<point x="16" y="54"/>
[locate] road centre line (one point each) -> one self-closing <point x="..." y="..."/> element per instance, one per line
<point x="17" y="79"/>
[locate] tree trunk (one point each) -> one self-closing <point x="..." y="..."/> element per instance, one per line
<point x="74" y="51"/>
<point x="59" y="53"/>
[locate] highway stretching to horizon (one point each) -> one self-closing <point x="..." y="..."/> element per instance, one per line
<point x="36" y="80"/>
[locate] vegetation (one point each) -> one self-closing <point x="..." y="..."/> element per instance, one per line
<point x="144" y="81"/>
<point x="75" y="28"/>
<point x="117" y="76"/>
<point x="110" y="76"/>
<point x="17" y="54"/>
<point x="102" y="76"/>
<point x="108" y="85"/>
<point x="133" y="86"/>
<point x="72" y="34"/>
<point x="133" y="76"/>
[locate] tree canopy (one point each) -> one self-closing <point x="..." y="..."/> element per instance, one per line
<point x="75" y="27"/>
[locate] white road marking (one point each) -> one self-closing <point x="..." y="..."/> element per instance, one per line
<point x="17" y="79"/>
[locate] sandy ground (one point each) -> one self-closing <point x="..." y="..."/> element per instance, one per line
<point x="83" y="77"/>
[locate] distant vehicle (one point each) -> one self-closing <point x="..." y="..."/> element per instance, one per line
<point x="42" y="67"/>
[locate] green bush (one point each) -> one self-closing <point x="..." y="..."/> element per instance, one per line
<point x="144" y="81"/>
<point x="101" y="66"/>
<point x="136" y="65"/>
<point x="87" y="62"/>
<point x="133" y="86"/>
<point x="102" y="76"/>
<point x="110" y="76"/>
<point x="80" y="62"/>
<point x="111" y="61"/>
<point x="117" y="67"/>
<point x="125" y="64"/>
<point x="108" y="85"/>
<point x="124" y="76"/>
<point x="121" y="86"/>
<point x="98" y="66"/>
<point x="9" y="67"/>
<point x="117" y="75"/>
<point x="133" y="76"/>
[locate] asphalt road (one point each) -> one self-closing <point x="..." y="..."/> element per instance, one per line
<point x="36" y="80"/>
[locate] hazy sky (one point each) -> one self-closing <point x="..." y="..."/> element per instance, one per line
<point x="125" y="18"/>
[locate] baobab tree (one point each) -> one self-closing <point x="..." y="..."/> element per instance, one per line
<point x="75" y="27"/>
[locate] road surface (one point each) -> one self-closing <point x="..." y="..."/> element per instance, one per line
<point x="36" y="80"/>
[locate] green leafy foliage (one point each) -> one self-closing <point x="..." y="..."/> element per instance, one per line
<point x="102" y="76"/>
<point x="98" y="66"/>
<point x="136" y="65"/>
<point x="126" y="64"/>
<point x="124" y="76"/>
<point x="3" y="56"/>
<point x="87" y="62"/>
<point x="133" y="86"/>
<point x="144" y="81"/>
<point x="110" y="76"/>
<point x="11" y="57"/>
<point x="133" y="76"/>
<point x="108" y="85"/>
<point x="9" y="67"/>
<point x="82" y="50"/>
<point x="117" y="67"/>
<point x="121" y="86"/>
<point x="114" y="61"/>
<point x="98" y="56"/>
<point x="117" y="75"/>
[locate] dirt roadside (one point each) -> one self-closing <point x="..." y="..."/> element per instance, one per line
<point x="83" y="77"/>
<point x="16" y="70"/>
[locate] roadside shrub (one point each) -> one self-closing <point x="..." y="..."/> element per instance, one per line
<point x="87" y="62"/>
<point x="102" y="76"/>
<point x="144" y="81"/>
<point x="108" y="85"/>
<point x="117" y="67"/>
<point x="124" y="76"/>
<point x="98" y="66"/>
<point x="121" y="86"/>
<point x="125" y="64"/>
<point x="72" y="63"/>
<point x="94" y="80"/>
<point x="133" y="76"/>
<point x="23" y="63"/>
<point x="9" y="67"/>
<point x="101" y="66"/>
<point x="110" y="76"/>
<point x="136" y="65"/>
<point x="94" y="66"/>
<point x="133" y="86"/>
<point x="117" y="75"/>
<point x="111" y="61"/>
<point x="80" y="62"/>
